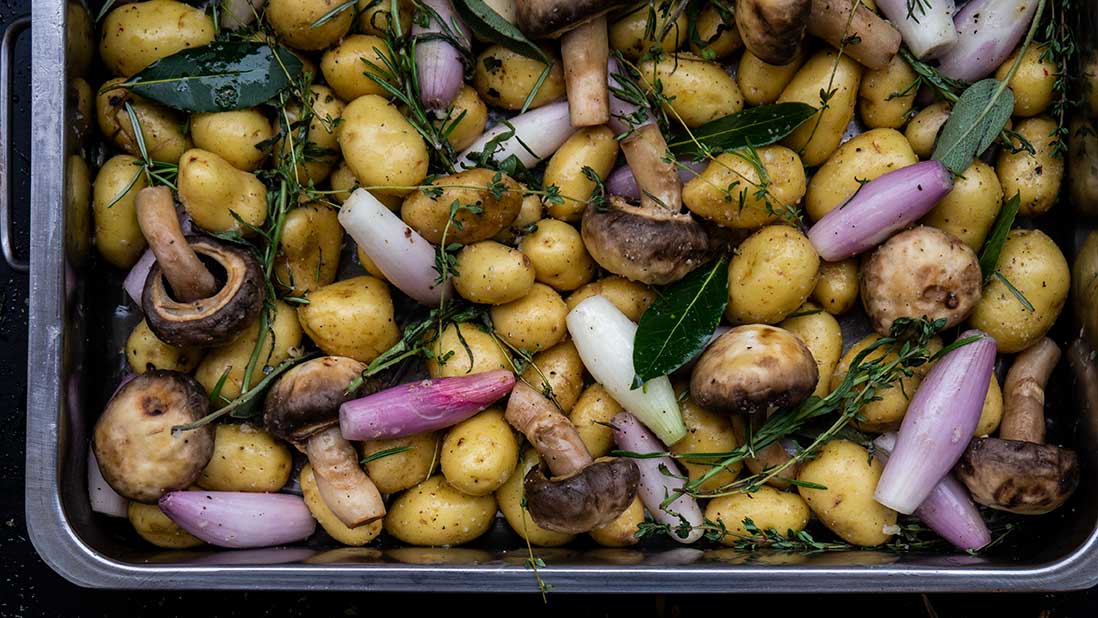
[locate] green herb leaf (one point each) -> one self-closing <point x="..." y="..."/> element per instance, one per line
<point x="757" y="126"/>
<point x="679" y="324"/>
<point x="386" y="453"/>
<point x="993" y="246"/>
<point x="977" y="118"/>
<point x="330" y="15"/>
<point x="219" y="77"/>
<point x="483" y="20"/>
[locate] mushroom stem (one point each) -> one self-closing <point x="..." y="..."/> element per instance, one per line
<point x="767" y="459"/>
<point x="870" y="40"/>
<point x="646" y="153"/>
<point x="1024" y="392"/>
<point x="343" y="485"/>
<point x="188" y="277"/>
<point x="551" y="433"/>
<point x="585" y="52"/>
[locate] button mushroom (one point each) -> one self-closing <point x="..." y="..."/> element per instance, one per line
<point x="772" y="30"/>
<point x="583" y="493"/>
<point x="139" y="454"/>
<point x="303" y="408"/>
<point x="194" y="308"/>
<point x="1016" y="472"/>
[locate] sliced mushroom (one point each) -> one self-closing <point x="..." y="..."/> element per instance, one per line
<point x="772" y="30"/>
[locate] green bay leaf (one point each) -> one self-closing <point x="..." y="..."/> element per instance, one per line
<point x="975" y="122"/>
<point x="993" y="246"/>
<point x="486" y="22"/>
<point x="757" y="126"/>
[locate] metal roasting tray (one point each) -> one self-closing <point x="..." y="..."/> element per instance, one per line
<point x="76" y="323"/>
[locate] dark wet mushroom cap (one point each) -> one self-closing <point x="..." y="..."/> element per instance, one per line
<point x="1020" y="477"/>
<point x="591" y="498"/>
<point x="548" y="19"/>
<point x="306" y="399"/>
<point x="772" y="30"/>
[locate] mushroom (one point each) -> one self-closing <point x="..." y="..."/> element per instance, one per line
<point x="772" y="30"/>
<point x="921" y="272"/>
<point x="1017" y="472"/>
<point x="583" y="493"/>
<point x="584" y="49"/>
<point x="140" y="455"/>
<point x="303" y="408"/>
<point x="864" y="36"/>
<point x="192" y="309"/>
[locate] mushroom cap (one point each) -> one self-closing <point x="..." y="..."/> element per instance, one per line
<point x="588" y="499"/>
<point x="548" y="19"/>
<point x="753" y="367"/>
<point x="207" y="321"/>
<point x="1020" y="477"/>
<point x="772" y="30"/>
<point x="306" y="399"/>
<point x="651" y="245"/>
<point x="139" y="455"/>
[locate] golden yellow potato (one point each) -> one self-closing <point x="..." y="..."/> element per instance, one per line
<point x="315" y="153"/>
<point x="762" y="83"/>
<point x="888" y="410"/>
<point x="480" y="453"/>
<point x="355" y="537"/>
<point x="352" y="318"/>
<point x="383" y="150"/>
<point x="462" y="130"/>
<point x="1034" y="265"/>
<point x="78" y="203"/>
<point x="706" y="432"/>
<point x="559" y="371"/>
<point x="786" y="513"/>
<point x="718" y="38"/>
<point x="817" y="138"/>
<point x="969" y="210"/>
<point x="465" y="349"/>
<point x="492" y="274"/>
<point x="533" y="322"/>
<point x="347" y="66"/>
<point x="434" y="513"/>
<point x="374" y="16"/>
<point x="847" y="506"/>
<point x="234" y="136"/>
<point x="145" y="352"/>
<point x="530" y="212"/>
<point x="771" y="274"/>
<point x="698" y="90"/>
<point x="865" y="157"/>
<point x="213" y="191"/>
<point x="727" y="192"/>
<point x="627" y="34"/>
<point x="992" y="412"/>
<point x="824" y="338"/>
<point x="155" y="527"/>
<point x="887" y="94"/>
<point x="293" y="20"/>
<point x="1084" y="286"/>
<point x="837" y="289"/>
<point x="922" y="131"/>
<point x="495" y="197"/>
<point x="311" y="242"/>
<point x="509" y="496"/>
<point x="1033" y="81"/>
<point x="83" y="106"/>
<point x="117" y="234"/>
<point x="594" y="408"/>
<point x="79" y="39"/>
<point x="133" y="36"/>
<point x="505" y="78"/>
<point x="399" y="471"/>
<point x="1036" y="177"/>
<point x="246" y="458"/>
<point x="161" y="127"/>
<point x="558" y="254"/>
<point x="593" y="147"/>
<point x="622" y="532"/>
<point x="630" y="297"/>
<point x="342" y="181"/>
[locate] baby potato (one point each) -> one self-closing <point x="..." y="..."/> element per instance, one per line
<point x="136" y="35"/>
<point x="82" y="104"/>
<point x="505" y="78"/>
<point x="706" y="432"/>
<point x="969" y="209"/>
<point x="533" y="322"/>
<point x="887" y="94"/>
<point x="698" y="90"/>
<point x="312" y="239"/>
<point x="817" y="138"/>
<point x="558" y="254"/>
<point x="117" y="234"/>
<point x="434" y="513"/>
<point x="593" y="147"/>
<point x="492" y="274"/>
<point x="246" y="458"/>
<point x="292" y="21"/>
<point x="355" y="537"/>
<point x="461" y="131"/>
<point x="78" y="198"/>
<point x="509" y="496"/>
<point x="1082" y="160"/>
<point x="1034" y="265"/>
<point x="847" y="506"/>
<point x="352" y="318"/>
<point x="630" y="297"/>
<point x="762" y="83"/>
<point x="161" y="127"/>
<point x="719" y="38"/>
<point x="1033" y="81"/>
<point x="480" y="453"/>
<point x="231" y="360"/>
<point x="464" y="350"/>
<point x="1036" y="177"/>
<point x="991" y="414"/>
<point x="595" y="407"/>
<point x="321" y="138"/>
<point x="485" y="212"/>
<point x="767" y="508"/>
<point x="145" y="352"/>
<point x="887" y="411"/>
<point x="79" y="39"/>
<point x="627" y="34"/>
<point x="234" y="136"/>
<point x="837" y="289"/>
<point x="622" y="532"/>
<point x="399" y="471"/>
<point x="155" y="527"/>
<point x="343" y="182"/>
<point x="824" y="338"/>
<point x="213" y="191"/>
<point x="727" y="191"/>
<point x="530" y="212"/>
<point x="559" y="369"/>
<point x="374" y="16"/>
<point x="922" y="131"/>
<point x="381" y="147"/>
<point x="771" y="274"/>
<point x="346" y="65"/>
<point x="865" y="157"/>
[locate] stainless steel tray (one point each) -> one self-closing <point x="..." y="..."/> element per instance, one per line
<point x="66" y="375"/>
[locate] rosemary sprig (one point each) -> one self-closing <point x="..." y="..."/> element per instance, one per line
<point x="1060" y="50"/>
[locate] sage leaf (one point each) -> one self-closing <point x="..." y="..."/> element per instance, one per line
<point x="757" y="126"/>
<point x="975" y="122"/>
<point x="219" y="77"/>
<point x="993" y="246"/>
<point x="679" y="324"/>
<point x="486" y="22"/>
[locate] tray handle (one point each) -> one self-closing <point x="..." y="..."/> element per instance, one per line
<point x="7" y="53"/>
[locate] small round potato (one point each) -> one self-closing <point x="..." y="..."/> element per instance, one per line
<point x="590" y="147"/>
<point x="352" y="318"/>
<point x="534" y="322"/>
<point x="374" y="17"/>
<point x="922" y="131"/>
<point x="558" y="254"/>
<point x="727" y="191"/>
<point x="706" y="432"/>
<point x="887" y="411"/>
<point x="837" y="289"/>
<point x="1033" y="82"/>
<point x="865" y="157"/>
<point x="622" y="532"/>
<point x="490" y="202"/>
<point x="762" y="83"/>
<point x="530" y="212"/>
<point x="718" y="36"/>
<point x="505" y="78"/>
<point x="493" y="274"/>
<point x="480" y="453"/>
<point x="767" y="508"/>
<point x="355" y="537"/>
<point x="399" y="471"/>
<point x="847" y="506"/>
<point x="696" y="90"/>
<point x="246" y="458"/>
<point x="434" y="513"/>
<point x="155" y="527"/>
<point x="594" y="408"/>
<point x="992" y="412"/>
<point x="135" y="35"/>
<point x="819" y="136"/>
<point x="346" y="65"/>
<point x="509" y="496"/>
<point x="464" y="350"/>
<point x="381" y="147"/>
<point x="886" y="95"/>
<point x="312" y="239"/>
<point x="630" y="297"/>
<point x="321" y="138"/>
<point x="771" y="274"/>
<point x="343" y="182"/>
<point x="627" y="34"/>
<point x="1036" y="177"/>
<point x="219" y="197"/>
<point x="558" y="370"/>
<point x="161" y="127"/>
<point x="117" y="234"/>
<point x="824" y="338"/>
<point x="145" y="352"/>
<point x="969" y="209"/>
<point x="235" y="136"/>
<point x="461" y="131"/>
<point x="293" y="21"/>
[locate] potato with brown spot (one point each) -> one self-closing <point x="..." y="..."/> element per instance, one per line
<point x="484" y="211"/>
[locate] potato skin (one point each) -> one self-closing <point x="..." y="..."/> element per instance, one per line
<point x="534" y="322"/>
<point x="771" y="274"/>
<point x="559" y="368"/>
<point x="699" y="90"/>
<point x="452" y="358"/>
<point x="428" y="214"/>
<point x="1033" y="82"/>
<point x="837" y="289"/>
<point x="480" y="453"/>
<point x="622" y="532"/>
<point x="399" y="471"/>
<point x="355" y="537"/>
<point x="312" y="240"/>
<point x="880" y="101"/>
<point x="434" y="513"/>
<point x="1036" y="177"/>
<point x="134" y="36"/>
<point x="558" y="255"/>
<point x="505" y="78"/>
<point x="509" y="497"/>
<point x="211" y="190"/>
<point x="468" y="129"/>
<point x="847" y="506"/>
<point x="991" y="414"/>
<point x="767" y="508"/>
<point x="923" y="129"/>
<point x="888" y="410"/>
<point x="145" y="352"/>
<point x="706" y="432"/>
<point x="719" y="38"/>
<point x="595" y="406"/>
<point x="344" y="66"/>
<point x="762" y="83"/>
<point x="292" y="21"/>
<point x="117" y="234"/>
<point x="493" y="274"/>
<point x="530" y="212"/>
<point x="817" y="139"/>
<point x="322" y="136"/>
<point x="707" y="196"/>
<point x="593" y="147"/>
<point x="969" y="209"/>
<point x="246" y="458"/>
<point x="78" y="197"/>
<point x="352" y="318"/>
<point x="627" y="34"/>
<point x="630" y="297"/>
<point x="233" y="136"/>
<point x="381" y="147"/>
<point x="160" y="126"/>
<point x="821" y="333"/>
<point x="155" y="527"/>
<point x="374" y="17"/>
<point x="866" y="157"/>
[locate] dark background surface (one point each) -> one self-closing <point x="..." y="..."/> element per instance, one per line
<point x="29" y="588"/>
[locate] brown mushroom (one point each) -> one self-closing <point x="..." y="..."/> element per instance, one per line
<point x="139" y="454"/>
<point x="582" y="494"/>
<point x="192" y="309"/>
<point x="772" y="30"/>
<point x="865" y="36"/>
<point x="303" y="408"/>
<point x="1016" y="472"/>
